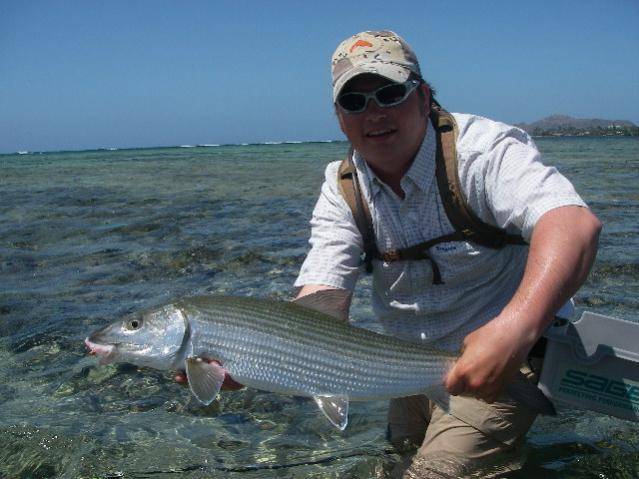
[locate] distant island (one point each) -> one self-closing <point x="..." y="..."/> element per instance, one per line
<point x="563" y="125"/>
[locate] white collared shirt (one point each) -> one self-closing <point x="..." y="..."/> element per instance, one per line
<point x="505" y="184"/>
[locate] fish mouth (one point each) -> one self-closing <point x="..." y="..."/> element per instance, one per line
<point x="105" y="351"/>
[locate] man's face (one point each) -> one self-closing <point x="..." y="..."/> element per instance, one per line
<point x="382" y="135"/>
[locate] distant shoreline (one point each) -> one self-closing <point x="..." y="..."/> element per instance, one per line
<point x="577" y="135"/>
<point x="558" y="134"/>
<point x="563" y="125"/>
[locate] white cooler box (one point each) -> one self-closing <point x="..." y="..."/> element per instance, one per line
<point x="593" y="363"/>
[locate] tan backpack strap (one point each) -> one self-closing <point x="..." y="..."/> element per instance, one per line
<point x="468" y="226"/>
<point x="349" y="187"/>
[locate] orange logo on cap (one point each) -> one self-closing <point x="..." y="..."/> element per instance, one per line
<point x="360" y="43"/>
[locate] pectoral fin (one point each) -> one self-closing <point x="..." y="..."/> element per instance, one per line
<point x="205" y="379"/>
<point x="335" y="408"/>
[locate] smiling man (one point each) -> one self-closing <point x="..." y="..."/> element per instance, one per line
<point x="489" y="296"/>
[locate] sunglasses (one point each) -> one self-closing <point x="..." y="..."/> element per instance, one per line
<point x="385" y="97"/>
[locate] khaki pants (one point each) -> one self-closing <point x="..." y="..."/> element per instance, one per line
<point x="479" y="437"/>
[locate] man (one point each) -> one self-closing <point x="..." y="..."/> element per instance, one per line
<point x="491" y="304"/>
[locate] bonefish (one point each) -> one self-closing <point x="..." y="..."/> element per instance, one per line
<point x="282" y="347"/>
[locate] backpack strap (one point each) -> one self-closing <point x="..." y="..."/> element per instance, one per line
<point x="468" y="226"/>
<point x="349" y="188"/>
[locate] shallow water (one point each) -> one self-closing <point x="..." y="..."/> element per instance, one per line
<point x="88" y="236"/>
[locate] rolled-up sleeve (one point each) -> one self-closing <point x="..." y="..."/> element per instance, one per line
<point x="336" y="244"/>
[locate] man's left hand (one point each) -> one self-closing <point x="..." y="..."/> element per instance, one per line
<point x="491" y="355"/>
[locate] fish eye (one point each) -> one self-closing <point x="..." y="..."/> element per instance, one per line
<point x="133" y="324"/>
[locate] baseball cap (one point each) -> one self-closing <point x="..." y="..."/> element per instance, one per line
<point x="382" y="52"/>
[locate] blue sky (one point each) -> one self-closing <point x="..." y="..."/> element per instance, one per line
<point x="91" y="74"/>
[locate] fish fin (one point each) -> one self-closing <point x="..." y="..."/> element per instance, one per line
<point x="528" y="394"/>
<point x="104" y="360"/>
<point x="334" y="302"/>
<point x="439" y="395"/>
<point x="335" y="408"/>
<point x="205" y="379"/>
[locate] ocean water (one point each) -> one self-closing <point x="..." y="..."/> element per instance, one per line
<point x="86" y="237"/>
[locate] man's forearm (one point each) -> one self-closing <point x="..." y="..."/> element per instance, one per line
<point x="340" y="309"/>
<point x="562" y="250"/>
<point x="312" y="288"/>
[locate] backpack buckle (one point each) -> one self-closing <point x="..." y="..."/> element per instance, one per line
<point x="390" y="256"/>
<point x="468" y="233"/>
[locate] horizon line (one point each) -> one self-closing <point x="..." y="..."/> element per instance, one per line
<point x="156" y="147"/>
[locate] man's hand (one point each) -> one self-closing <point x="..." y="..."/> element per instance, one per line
<point x="229" y="383"/>
<point x="491" y="355"/>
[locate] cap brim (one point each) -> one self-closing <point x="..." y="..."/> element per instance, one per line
<point x="390" y="71"/>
